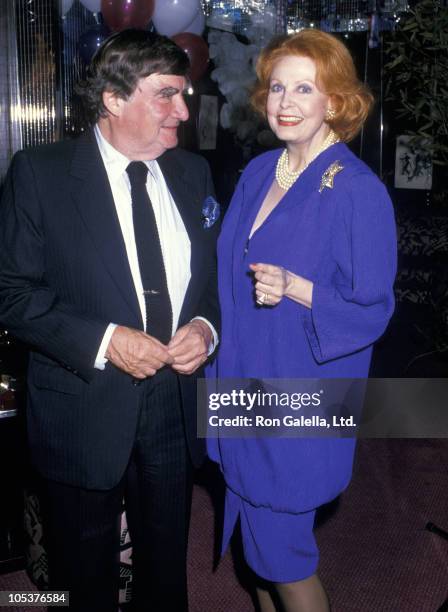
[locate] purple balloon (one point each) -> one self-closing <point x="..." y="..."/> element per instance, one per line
<point x="197" y="25"/>
<point x="173" y="16"/>
<point x="90" y="41"/>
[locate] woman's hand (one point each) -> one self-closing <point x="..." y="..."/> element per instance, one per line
<point x="273" y="283"/>
<point x="270" y="283"/>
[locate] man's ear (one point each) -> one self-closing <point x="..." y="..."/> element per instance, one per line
<point x="113" y="103"/>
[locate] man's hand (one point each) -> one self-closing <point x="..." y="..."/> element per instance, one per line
<point x="136" y="353"/>
<point x="189" y="346"/>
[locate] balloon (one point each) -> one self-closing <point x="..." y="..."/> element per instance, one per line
<point x="123" y="14"/>
<point x="196" y="49"/>
<point x="91" y="40"/>
<point x="173" y="16"/>
<point x="66" y="5"/>
<point x="197" y="25"/>
<point x="92" y="5"/>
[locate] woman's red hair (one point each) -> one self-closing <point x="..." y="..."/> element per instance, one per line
<point x="335" y="77"/>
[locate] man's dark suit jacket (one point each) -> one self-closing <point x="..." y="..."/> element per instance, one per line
<point x="64" y="276"/>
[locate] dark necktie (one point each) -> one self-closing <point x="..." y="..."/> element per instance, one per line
<point x="159" y="315"/>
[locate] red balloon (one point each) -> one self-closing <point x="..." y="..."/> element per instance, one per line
<point x="122" y="14"/>
<point x="197" y="50"/>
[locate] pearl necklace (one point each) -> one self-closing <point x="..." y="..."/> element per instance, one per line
<point x="285" y="177"/>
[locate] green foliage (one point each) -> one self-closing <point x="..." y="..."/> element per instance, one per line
<point x="416" y="75"/>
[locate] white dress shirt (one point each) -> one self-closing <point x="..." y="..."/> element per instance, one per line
<point x="174" y="239"/>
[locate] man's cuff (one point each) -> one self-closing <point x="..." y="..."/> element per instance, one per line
<point x="215" y="340"/>
<point x="100" y="361"/>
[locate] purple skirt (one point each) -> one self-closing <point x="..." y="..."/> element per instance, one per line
<point x="278" y="546"/>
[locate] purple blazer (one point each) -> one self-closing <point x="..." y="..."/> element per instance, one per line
<point x="343" y="239"/>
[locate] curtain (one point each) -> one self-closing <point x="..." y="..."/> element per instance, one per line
<point x="10" y="124"/>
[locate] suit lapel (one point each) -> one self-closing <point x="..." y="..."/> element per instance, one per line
<point x="184" y="191"/>
<point x="93" y="196"/>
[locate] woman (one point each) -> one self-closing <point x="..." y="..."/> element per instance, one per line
<point x="307" y="259"/>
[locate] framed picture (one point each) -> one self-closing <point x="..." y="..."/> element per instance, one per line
<point x="413" y="165"/>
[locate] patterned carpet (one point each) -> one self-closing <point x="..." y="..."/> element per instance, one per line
<point x="376" y="555"/>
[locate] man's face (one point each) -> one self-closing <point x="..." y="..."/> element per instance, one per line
<point x="146" y="125"/>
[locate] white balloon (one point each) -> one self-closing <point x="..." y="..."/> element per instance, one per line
<point x="92" y="5"/>
<point x="173" y="16"/>
<point x="197" y="25"/>
<point x="66" y="5"/>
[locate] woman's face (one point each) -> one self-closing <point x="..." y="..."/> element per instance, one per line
<point x="295" y="106"/>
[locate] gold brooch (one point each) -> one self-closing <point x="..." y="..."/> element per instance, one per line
<point x="329" y="174"/>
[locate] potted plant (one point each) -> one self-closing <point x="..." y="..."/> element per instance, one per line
<point x="416" y="75"/>
<point x="416" y="84"/>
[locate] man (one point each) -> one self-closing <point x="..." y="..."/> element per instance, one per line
<point x="107" y="271"/>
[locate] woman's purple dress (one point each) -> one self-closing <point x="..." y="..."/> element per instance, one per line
<point x="343" y="239"/>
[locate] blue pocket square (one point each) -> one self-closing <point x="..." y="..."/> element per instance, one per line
<point x="210" y="212"/>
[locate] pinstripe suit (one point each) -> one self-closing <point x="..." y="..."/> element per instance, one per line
<point x="64" y="276"/>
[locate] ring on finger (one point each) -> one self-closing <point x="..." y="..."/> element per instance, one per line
<point x="263" y="299"/>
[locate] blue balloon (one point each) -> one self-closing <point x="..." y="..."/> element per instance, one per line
<point x="90" y="41"/>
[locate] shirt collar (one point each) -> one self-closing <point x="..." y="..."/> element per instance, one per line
<point x="114" y="161"/>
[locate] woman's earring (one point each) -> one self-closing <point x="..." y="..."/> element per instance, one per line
<point x="330" y="114"/>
